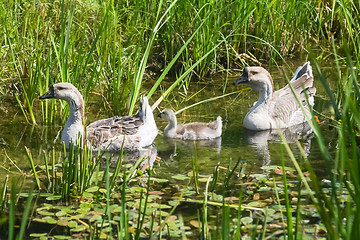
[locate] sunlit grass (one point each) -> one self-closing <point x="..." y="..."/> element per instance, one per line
<point x="109" y="47"/>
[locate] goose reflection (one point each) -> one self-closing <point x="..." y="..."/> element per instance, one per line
<point x="259" y="139"/>
<point x="214" y="144"/>
<point x="148" y="154"/>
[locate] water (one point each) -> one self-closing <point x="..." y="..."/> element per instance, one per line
<point x="176" y="156"/>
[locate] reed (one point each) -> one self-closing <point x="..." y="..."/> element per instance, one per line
<point x="108" y="48"/>
<point x="97" y="45"/>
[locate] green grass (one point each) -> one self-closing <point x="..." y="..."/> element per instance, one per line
<point x="112" y="48"/>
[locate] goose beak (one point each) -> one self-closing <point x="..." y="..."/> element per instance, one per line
<point x="243" y="79"/>
<point x="159" y="115"/>
<point x="48" y="94"/>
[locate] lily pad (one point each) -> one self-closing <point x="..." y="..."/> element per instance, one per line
<point x="180" y="177"/>
<point x="54" y="197"/>
<point x="72" y="224"/>
<point x="62" y="237"/>
<point x="92" y="189"/>
<point x="38" y="234"/>
<point x="50" y="220"/>
<point x="246" y="220"/>
<point x="60" y="213"/>
<point x="62" y="222"/>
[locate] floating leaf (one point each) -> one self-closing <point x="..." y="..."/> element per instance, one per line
<point x="45" y="213"/>
<point x="246" y="220"/>
<point x="180" y="177"/>
<point x="62" y="222"/>
<point x="270" y="211"/>
<point x="254" y="204"/>
<point x="173" y="203"/>
<point x="39" y="220"/>
<point x="259" y="177"/>
<point x="50" y="220"/>
<point x="116" y="210"/>
<point x="87" y="195"/>
<point x="103" y="190"/>
<point x="92" y="189"/>
<point x="62" y="237"/>
<point x="38" y="234"/>
<point x="78" y="229"/>
<point x="55" y="197"/>
<point x="256" y="196"/>
<point x="60" y="213"/>
<point x="96" y="218"/>
<point x="72" y="224"/>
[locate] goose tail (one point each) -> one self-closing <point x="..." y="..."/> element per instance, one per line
<point x="302" y="70"/>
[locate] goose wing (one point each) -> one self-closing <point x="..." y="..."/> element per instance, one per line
<point x="107" y="129"/>
<point x="285" y="106"/>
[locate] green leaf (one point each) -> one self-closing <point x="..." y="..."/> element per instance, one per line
<point x="38" y="234"/>
<point x="246" y="220"/>
<point x="92" y="189"/>
<point x="72" y="224"/>
<point x="54" y="197"/>
<point x="50" y="220"/>
<point x="180" y="177"/>
<point x="60" y="213"/>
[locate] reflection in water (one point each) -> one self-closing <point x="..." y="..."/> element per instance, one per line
<point x="214" y="143"/>
<point x="259" y="139"/>
<point x="148" y="154"/>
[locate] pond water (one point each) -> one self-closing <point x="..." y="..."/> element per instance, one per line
<point x="176" y="157"/>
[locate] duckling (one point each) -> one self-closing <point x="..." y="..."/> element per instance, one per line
<point x="278" y="109"/>
<point x="190" y="131"/>
<point x="130" y="132"/>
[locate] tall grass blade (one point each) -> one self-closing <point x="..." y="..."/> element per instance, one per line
<point x="3" y="193"/>
<point x="12" y="211"/>
<point x="139" y="76"/>
<point x="31" y="161"/>
<point x="25" y="214"/>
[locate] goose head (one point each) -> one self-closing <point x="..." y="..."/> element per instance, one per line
<point x="69" y="93"/>
<point x="168" y="115"/>
<point x="65" y="91"/>
<point x="257" y="78"/>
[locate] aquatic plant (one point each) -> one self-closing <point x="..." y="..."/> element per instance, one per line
<point x="114" y="46"/>
<point x="117" y="49"/>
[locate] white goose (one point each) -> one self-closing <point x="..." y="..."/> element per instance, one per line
<point x="278" y="109"/>
<point x="136" y="131"/>
<point x="190" y="131"/>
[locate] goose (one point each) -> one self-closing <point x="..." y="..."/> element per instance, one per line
<point x="130" y="132"/>
<point x="278" y="109"/>
<point x="190" y="131"/>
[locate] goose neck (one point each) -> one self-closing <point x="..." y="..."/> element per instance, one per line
<point x="76" y="111"/>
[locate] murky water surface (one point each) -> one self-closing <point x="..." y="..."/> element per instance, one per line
<point x="176" y="155"/>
